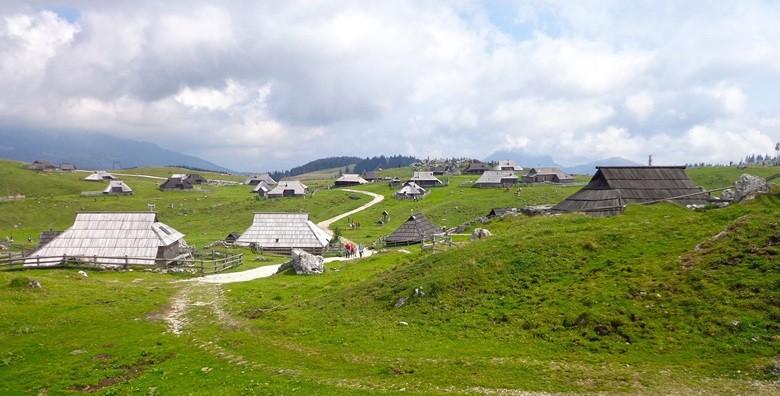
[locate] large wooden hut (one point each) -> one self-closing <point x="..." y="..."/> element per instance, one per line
<point x="496" y="179"/>
<point x="350" y="179"/>
<point x="282" y="232"/>
<point x="136" y="238"/>
<point x="288" y="188"/>
<point x="613" y="187"/>
<point x="476" y="168"/>
<point x="176" y="183"/>
<point x="547" y="174"/>
<point x="99" y="176"/>
<point x="426" y="179"/>
<point x="416" y="229"/>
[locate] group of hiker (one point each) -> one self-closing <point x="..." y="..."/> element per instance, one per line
<point x="351" y="250"/>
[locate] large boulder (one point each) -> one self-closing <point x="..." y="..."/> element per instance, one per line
<point x="747" y="186"/>
<point x="306" y="263"/>
<point x="480" y="233"/>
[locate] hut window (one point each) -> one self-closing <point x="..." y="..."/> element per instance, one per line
<point x="277" y="240"/>
<point x="165" y="230"/>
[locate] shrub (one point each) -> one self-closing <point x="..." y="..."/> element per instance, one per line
<point x="19" y="282"/>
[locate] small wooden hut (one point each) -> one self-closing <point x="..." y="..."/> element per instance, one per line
<point x="426" y="179"/>
<point x="288" y="188"/>
<point x="496" y="179"/>
<point x="350" y="179"/>
<point x="547" y="175"/>
<point x="117" y="187"/>
<point x="176" y="183"/>
<point x="416" y="229"/>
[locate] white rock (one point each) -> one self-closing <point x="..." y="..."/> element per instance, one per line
<point x="83" y="274"/>
<point x="306" y="263"/>
<point x="403" y="324"/>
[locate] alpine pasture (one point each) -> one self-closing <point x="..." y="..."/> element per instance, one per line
<point x="658" y="300"/>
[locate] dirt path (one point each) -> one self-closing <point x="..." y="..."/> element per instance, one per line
<point x="325" y="225"/>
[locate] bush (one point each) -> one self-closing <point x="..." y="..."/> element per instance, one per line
<point x="19" y="282"/>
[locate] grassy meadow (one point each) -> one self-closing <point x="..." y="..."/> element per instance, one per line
<point x="659" y="300"/>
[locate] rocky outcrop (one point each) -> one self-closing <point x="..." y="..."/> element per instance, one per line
<point x="480" y="233"/>
<point x="747" y="186"/>
<point x="304" y="263"/>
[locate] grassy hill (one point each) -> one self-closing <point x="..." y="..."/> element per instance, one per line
<point x="659" y="300"/>
<point x="203" y="215"/>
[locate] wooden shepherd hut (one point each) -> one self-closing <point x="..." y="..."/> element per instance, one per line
<point x="426" y="179"/>
<point x="370" y="176"/>
<point x="176" y="183"/>
<point x="476" y="168"/>
<point x="117" y="187"/>
<point x="282" y="232"/>
<point x="350" y="179"/>
<point x="135" y="238"/>
<point x="613" y="187"/>
<point x="100" y="176"/>
<point x="255" y="179"/>
<point x="288" y="188"/>
<point x="549" y="175"/>
<point x="416" y="229"/>
<point x="496" y="179"/>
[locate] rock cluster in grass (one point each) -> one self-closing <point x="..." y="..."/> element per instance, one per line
<point x="747" y="186"/>
<point x="480" y="233"/>
<point x="304" y="263"/>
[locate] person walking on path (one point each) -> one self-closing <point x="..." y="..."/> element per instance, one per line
<point x="360" y="249"/>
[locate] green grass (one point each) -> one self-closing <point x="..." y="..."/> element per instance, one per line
<point x="203" y="216"/>
<point x="643" y="303"/>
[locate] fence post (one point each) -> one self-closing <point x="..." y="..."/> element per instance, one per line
<point x="64" y="259"/>
<point x="38" y="261"/>
<point x="94" y="261"/>
<point x="126" y="262"/>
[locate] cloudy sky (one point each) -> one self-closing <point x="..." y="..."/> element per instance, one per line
<point x="277" y="83"/>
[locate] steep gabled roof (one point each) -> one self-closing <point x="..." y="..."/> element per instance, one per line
<point x="549" y="171"/>
<point x="414" y="230"/>
<point x="424" y="177"/>
<point x="284" y="231"/>
<point x="410" y="189"/>
<point x="351" y="178"/>
<point x="117" y="184"/>
<point x="369" y="175"/>
<point x="613" y="187"/>
<point x="262" y="186"/>
<point x="174" y="183"/>
<point x="508" y="164"/>
<point x="112" y="234"/>
<point x="496" y="177"/>
<point x="295" y="185"/>
<point x="100" y="176"/>
<point x="254" y="179"/>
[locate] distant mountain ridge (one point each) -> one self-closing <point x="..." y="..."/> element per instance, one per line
<point x="92" y="151"/>
<point x="528" y="160"/>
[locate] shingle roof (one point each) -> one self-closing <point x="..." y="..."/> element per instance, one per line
<point x="611" y="188"/>
<point x="496" y="177"/>
<point x="132" y="234"/>
<point x="254" y="179"/>
<point x="410" y="189"/>
<point x="99" y="176"/>
<point x="284" y="231"/>
<point x="174" y="183"/>
<point x="549" y="171"/>
<point x="414" y="230"/>
<point x="424" y="176"/>
<point x="351" y="178"/>
<point x="475" y="167"/>
<point x="117" y="185"/>
<point x="295" y="185"/>
<point x="262" y="186"/>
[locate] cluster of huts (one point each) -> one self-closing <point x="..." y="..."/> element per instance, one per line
<point x="114" y="187"/>
<point x="46" y="166"/>
<point x="181" y="181"/>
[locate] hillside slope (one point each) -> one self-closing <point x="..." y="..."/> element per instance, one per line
<point x="567" y="303"/>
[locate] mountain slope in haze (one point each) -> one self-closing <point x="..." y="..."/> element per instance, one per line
<point x="523" y="158"/>
<point x="92" y="150"/>
<point x="590" y="167"/>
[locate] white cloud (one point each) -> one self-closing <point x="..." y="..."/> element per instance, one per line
<point x="574" y="80"/>
<point x="640" y="105"/>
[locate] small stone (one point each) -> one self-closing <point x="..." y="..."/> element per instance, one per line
<point x="83" y="274"/>
<point x="403" y="323"/>
<point x="77" y="352"/>
<point x="206" y="369"/>
<point x="34" y="284"/>
<point x="400" y="303"/>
